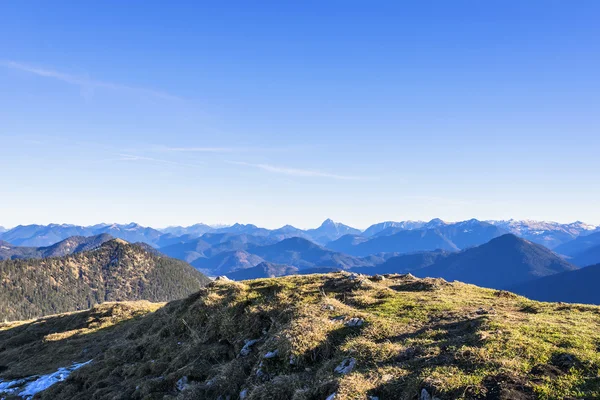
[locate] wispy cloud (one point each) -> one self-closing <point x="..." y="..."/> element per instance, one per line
<point x="299" y="172"/>
<point x="208" y="149"/>
<point x="204" y="149"/>
<point x="85" y="83"/>
<point x="134" y="157"/>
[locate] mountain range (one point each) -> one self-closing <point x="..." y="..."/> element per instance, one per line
<point x="549" y="234"/>
<point x="473" y="251"/>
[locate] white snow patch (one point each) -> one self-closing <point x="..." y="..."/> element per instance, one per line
<point x="28" y="387"/>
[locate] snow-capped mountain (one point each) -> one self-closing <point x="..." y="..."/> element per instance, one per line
<point x="403" y="225"/>
<point x="547" y="233"/>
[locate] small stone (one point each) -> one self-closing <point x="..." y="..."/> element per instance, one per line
<point x="211" y="382"/>
<point x="378" y="278"/>
<point x="352" y="322"/>
<point x="243" y="394"/>
<point x="331" y="396"/>
<point x="272" y="354"/>
<point x="292" y="360"/>
<point x="346" y="366"/>
<point x="182" y="383"/>
<point x="373" y="398"/>
<point x="247" y="347"/>
<point x="426" y="396"/>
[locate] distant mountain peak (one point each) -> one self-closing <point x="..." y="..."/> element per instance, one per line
<point x="436" y="222"/>
<point x="115" y="242"/>
<point x="328" y="222"/>
<point x="508" y="238"/>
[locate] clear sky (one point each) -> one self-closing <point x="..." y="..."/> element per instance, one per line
<point x="275" y="112"/>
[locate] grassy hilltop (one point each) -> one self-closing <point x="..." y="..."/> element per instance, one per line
<point x="390" y="339"/>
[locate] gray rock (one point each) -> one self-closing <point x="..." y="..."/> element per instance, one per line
<point x="346" y="366"/>
<point x="222" y="278"/>
<point x="272" y="354"/>
<point x="354" y="276"/>
<point x="247" y="349"/>
<point x="426" y="396"/>
<point x="352" y="322"/>
<point x="182" y="383"/>
<point x="243" y="394"/>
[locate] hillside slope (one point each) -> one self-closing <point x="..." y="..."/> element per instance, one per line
<point x="588" y="257"/>
<point x="316" y="337"/>
<point x="579" y="286"/>
<point x="579" y="245"/>
<point x="116" y="271"/>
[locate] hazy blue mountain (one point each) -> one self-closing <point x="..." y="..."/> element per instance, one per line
<point x="579" y="245"/>
<point x="243" y="229"/>
<point x="330" y="230"/>
<point x="263" y="270"/>
<point x="399" y="226"/>
<point x="229" y="241"/>
<point x="470" y="233"/>
<point x="580" y="286"/>
<point x="302" y="253"/>
<point x="168" y="239"/>
<point x="587" y="257"/>
<point x="132" y="233"/>
<point x="226" y="262"/>
<point x="2" y="229"/>
<point x="46" y="235"/>
<point x="286" y="232"/>
<point x="503" y="262"/>
<point x="346" y="243"/>
<point x="74" y="244"/>
<point x="43" y="235"/>
<point x="549" y="234"/>
<point x="196" y="230"/>
<point x="402" y="242"/>
<point x="187" y="251"/>
<point x="405" y="263"/>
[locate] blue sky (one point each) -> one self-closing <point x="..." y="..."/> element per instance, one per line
<point x="291" y="112"/>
